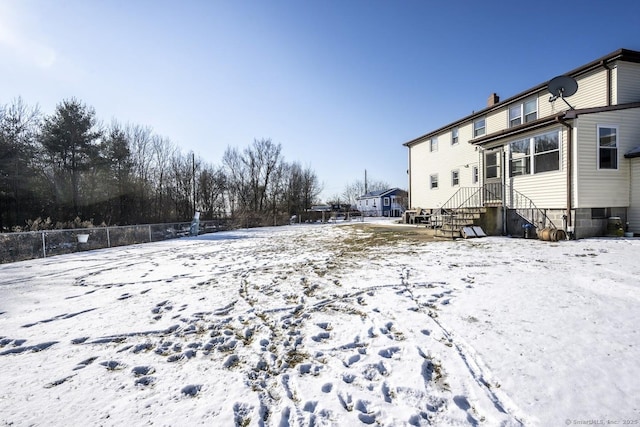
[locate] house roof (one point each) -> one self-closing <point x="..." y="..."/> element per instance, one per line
<point x="620" y="54"/>
<point x="378" y="193"/>
<point x="633" y="153"/>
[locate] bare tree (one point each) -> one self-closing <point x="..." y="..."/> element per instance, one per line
<point x="357" y="188"/>
<point x="211" y="192"/>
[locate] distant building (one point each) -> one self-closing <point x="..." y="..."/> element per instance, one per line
<point x="389" y="203"/>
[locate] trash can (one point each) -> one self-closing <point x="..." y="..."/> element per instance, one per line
<point x="529" y="231"/>
<point x="614" y="227"/>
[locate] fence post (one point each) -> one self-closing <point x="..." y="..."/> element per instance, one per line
<point x="44" y="246"/>
<point x="150" y="233"/>
<point x="108" y="238"/>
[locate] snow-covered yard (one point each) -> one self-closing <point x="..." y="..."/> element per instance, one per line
<point x="324" y="325"/>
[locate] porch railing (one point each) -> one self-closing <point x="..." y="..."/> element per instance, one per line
<point x="472" y="199"/>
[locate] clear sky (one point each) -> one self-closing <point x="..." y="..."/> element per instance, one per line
<point x="340" y="84"/>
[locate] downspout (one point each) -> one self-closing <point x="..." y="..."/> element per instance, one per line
<point x="609" y="85"/>
<point x="409" y="173"/>
<point x="570" y="229"/>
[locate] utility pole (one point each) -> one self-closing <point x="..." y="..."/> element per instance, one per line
<point x="193" y="170"/>
<point x="366" y="190"/>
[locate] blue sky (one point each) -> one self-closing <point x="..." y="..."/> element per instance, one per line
<point x="341" y="85"/>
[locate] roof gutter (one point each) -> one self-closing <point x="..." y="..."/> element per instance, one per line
<point x="517" y="130"/>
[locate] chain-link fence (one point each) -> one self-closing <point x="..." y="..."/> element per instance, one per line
<point x="46" y="243"/>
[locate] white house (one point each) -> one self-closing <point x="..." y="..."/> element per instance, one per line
<point x="570" y="162"/>
<point x="389" y="202"/>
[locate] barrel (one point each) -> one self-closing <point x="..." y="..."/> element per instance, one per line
<point x="558" y="234"/>
<point x="545" y="234"/>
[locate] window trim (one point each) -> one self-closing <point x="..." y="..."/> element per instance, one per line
<point x="386" y="201"/>
<point x="455" y="136"/>
<point x="433" y="144"/>
<point x="535" y="155"/>
<point x="455" y="178"/>
<point x="525" y="158"/>
<point x="599" y="148"/>
<point x="531" y="157"/>
<point x="522" y="116"/>
<point x="476" y="129"/>
<point x="433" y="181"/>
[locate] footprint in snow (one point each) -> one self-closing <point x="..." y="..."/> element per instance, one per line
<point x="191" y="390"/>
<point x="85" y="363"/>
<point x="113" y="365"/>
<point x="140" y="371"/>
<point x="388" y="353"/>
<point x="145" y="381"/>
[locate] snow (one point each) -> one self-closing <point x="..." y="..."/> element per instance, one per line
<point x="324" y="325"/>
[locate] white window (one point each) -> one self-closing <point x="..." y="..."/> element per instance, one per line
<point x="474" y="174"/>
<point x="546" y="152"/>
<point x="455" y="178"/>
<point x="540" y="153"/>
<point x="520" y="157"/>
<point x="479" y="127"/>
<point x="433" y="181"/>
<point x="433" y="144"/>
<point x="523" y="112"/>
<point x="454" y="136"/>
<point x="607" y="147"/>
<point x="386" y="201"/>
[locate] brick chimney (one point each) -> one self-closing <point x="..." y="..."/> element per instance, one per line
<point x="493" y="99"/>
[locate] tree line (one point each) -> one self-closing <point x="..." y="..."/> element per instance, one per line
<point x="68" y="166"/>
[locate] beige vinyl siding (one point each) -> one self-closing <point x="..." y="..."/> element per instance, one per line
<point x="547" y="190"/>
<point x="424" y="163"/>
<point x="604" y="188"/>
<point x="592" y="91"/>
<point x="497" y="120"/>
<point x="628" y="82"/>
<point x="634" y="207"/>
<point x="545" y="108"/>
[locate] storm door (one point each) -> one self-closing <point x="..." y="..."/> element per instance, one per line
<point x="493" y="169"/>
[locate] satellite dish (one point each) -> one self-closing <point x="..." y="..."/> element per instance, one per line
<point x="562" y="86"/>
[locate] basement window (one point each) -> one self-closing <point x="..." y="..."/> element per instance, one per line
<point x="599" y="213"/>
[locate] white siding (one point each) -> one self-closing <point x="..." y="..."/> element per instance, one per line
<point x="604" y="188"/>
<point x="497" y="120"/>
<point x="628" y="81"/>
<point x="424" y="163"/>
<point x="634" y="206"/>
<point x="592" y="92"/>
<point x="545" y="108"/>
